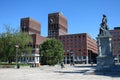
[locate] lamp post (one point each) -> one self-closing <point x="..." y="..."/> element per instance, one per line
<point x="71" y="52"/>
<point x="81" y="56"/>
<point x="17" y="46"/>
<point x="68" y="55"/>
<point x="47" y="57"/>
<point x="72" y="56"/>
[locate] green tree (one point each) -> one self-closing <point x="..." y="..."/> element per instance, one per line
<point x="51" y="52"/>
<point x="9" y="39"/>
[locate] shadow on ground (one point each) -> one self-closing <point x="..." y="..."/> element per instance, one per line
<point x="85" y="66"/>
<point x="76" y="71"/>
<point x="72" y="72"/>
<point x="108" y="73"/>
<point x="92" y="71"/>
<point x="115" y="72"/>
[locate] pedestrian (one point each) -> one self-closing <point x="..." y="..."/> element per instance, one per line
<point x="62" y="65"/>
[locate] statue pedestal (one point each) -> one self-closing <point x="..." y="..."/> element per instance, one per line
<point x="105" y="63"/>
<point x="105" y="60"/>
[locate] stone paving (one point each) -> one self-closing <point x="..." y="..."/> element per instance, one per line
<point x="77" y="72"/>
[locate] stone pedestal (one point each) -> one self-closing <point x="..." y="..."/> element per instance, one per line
<point x="105" y="63"/>
<point x="105" y="60"/>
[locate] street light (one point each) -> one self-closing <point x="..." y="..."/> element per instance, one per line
<point x="81" y="57"/>
<point x="68" y="51"/>
<point x="71" y="52"/>
<point x="72" y="55"/>
<point x="47" y="57"/>
<point x="17" y="46"/>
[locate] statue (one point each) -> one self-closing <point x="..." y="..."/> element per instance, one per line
<point x="105" y="59"/>
<point x="104" y="27"/>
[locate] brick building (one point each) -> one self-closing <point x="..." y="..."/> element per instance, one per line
<point x="79" y="48"/>
<point x="33" y="28"/>
<point x="116" y="43"/>
<point x="57" y="25"/>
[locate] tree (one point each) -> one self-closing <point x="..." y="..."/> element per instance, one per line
<point x="9" y="39"/>
<point x="51" y="52"/>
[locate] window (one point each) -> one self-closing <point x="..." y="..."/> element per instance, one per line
<point x="79" y="57"/>
<point x="84" y="57"/>
<point x="71" y="37"/>
<point x="67" y="36"/>
<point x="68" y="57"/>
<point x="75" y="57"/>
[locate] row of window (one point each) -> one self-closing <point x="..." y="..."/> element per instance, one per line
<point x="77" y="57"/>
<point x="74" y="46"/>
<point x="67" y="37"/>
<point x="113" y="33"/>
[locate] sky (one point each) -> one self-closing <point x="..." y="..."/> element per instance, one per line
<point x="84" y="16"/>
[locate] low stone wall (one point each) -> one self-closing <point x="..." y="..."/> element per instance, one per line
<point x="7" y="66"/>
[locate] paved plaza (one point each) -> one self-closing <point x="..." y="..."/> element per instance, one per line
<point x="77" y="72"/>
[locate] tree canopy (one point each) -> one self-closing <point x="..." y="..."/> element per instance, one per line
<point x="51" y="52"/>
<point x="9" y="39"/>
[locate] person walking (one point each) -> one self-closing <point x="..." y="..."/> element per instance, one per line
<point x="62" y="65"/>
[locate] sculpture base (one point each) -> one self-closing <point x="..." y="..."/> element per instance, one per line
<point x="105" y="63"/>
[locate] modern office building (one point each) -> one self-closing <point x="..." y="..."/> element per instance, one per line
<point x="57" y="25"/>
<point x="79" y="48"/>
<point x="33" y="28"/>
<point x="116" y="43"/>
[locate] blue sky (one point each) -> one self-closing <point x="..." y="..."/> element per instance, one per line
<point x="84" y="16"/>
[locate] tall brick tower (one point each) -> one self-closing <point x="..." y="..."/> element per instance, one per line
<point x="29" y="25"/>
<point x="57" y="25"/>
<point x="32" y="27"/>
